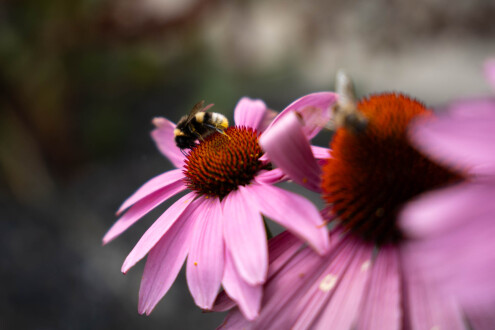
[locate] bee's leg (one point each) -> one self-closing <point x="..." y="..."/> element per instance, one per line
<point x="218" y="129"/>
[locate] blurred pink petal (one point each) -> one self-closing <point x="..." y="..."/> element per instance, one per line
<point x="461" y="142"/>
<point x="286" y="139"/>
<point x="164" y="138"/>
<point x="174" y="213"/>
<point x="489" y="70"/>
<point x="164" y="263"/>
<point x="426" y="307"/>
<point x="381" y="304"/>
<point x="245" y="236"/>
<point x="462" y="234"/>
<point x="481" y="107"/>
<point x="305" y="221"/>
<point x="248" y="297"/>
<point x="249" y="112"/>
<point x="315" y="110"/>
<point x="142" y="207"/>
<point x="158" y="182"/>
<point x="205" y="263"/>
<point x="439" y="211"/>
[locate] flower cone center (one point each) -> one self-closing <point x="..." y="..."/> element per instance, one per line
<point x="223" y="162"/>
<point x="373" y="173"/>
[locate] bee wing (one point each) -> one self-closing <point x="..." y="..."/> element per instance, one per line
<point x="197" y="108"/>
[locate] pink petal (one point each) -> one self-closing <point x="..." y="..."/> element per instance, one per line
<point x="481" y="317"/>
<point x="341" y="311"/>
<point x="288" y="148"/>
<point x="248" y="297"/>
<point x="320" y="152"/>
<point x="281" y="249"/>
<point x="234" y="321"/>
<point x="380" y="308"/>
<point x="174" y="213"/>
<point x="164" y="138"/>
<point x="205" y="264"/>
<point x="283" y="292"/>
<point x="138" y="210"/>
<point x="270" y="177"/>
<point x="456" y="252"/>
<point x="435" y="212"/>
<point x="158" y="182"/>
<point x="489" y="70"/>
<point x="315" y="109"/>
<point x="249" y="112"/>
<point x="292" y="211"/>
<point x="245" y="236"/>
<point x="480" y="107"/>
<point x="425" y="307"/>
<point x="223" y="302"/>
<point x="165" y="261"/>
<point x="269" y="116"/>
<point x="461" y="142"/>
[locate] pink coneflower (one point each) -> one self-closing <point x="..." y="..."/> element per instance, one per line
<point x="367" y="279"/>
<point x="218" y="225"/>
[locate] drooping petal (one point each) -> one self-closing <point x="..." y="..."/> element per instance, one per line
<point x="249" y="112"/>
<point x="205" y="263"/>
<point x="158" y="182"/>
<point x="292" y="211"/>
<point x="463" y="142"/>
<point x="315" y="110"/>
<point x="248" y="297"/>
<point x="164" y="138"/>
<point x="289" y="149"/>
<point x="176" y="212"/>
<point x="489" y="70"/>
<point x="139" y="209"/>
<point x="380" y="308"/>
<point x="245" y="236"/>
<point x="165" y="261"/>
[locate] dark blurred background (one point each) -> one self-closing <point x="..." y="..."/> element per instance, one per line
<point x="81" y="80"/>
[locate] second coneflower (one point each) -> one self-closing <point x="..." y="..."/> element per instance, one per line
<point x="366" y="280"/>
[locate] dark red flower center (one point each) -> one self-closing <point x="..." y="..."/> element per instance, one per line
<point x="223" y="162"/>
<point x="371" y="174"/>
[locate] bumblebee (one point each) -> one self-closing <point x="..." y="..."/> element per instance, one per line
<point x="197" y="125"/>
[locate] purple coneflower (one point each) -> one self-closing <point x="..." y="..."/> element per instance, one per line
<point x="218" y="225"/>
<point x="368" y="279"/>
